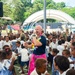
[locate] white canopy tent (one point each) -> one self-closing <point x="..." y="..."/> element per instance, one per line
<point x="50" y="13"/>
<point x="6" y="18"/>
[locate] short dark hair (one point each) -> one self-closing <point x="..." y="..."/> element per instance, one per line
<point x="63" y="41"/>
<point x="5" y="46"/>
<point x="22" y="46"/>
<point x="54" y="37"/>
<point x="4" y="53"/>
<point x="59" y="42"/>
<point x="39" y="62"/>
<point x="55" y="50"/>
<point x="69" y="38"/>
<point x="18" y="42"/>
<point x="73" y="44"/>
<point x="67" y="52"/>
<point x="62" y="62"/>
<point x="70" y="72"/>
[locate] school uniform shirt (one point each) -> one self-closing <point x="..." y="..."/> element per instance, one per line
<point x="18" y="39"/>
<point x="13" y="44"/>
<point x="64" y="73"/>
<point x="70" y="60"/>
<point x="22" y="42"/>
<point x="1" y="44"/>
<point x="7" y="63"/>
<point x="1" y="66"/>
<point x="54" y="71"/>
<point x="35" y="73"/>
<point x="53" y="45"/>
<point x="68" y="44"/>
<point x="14" y="55"/>
<point x="73" y="58"/>
<point x="47" y="51"/>
<point x="19" y="49"/>
<point x="7" y="43"/>
<point x="24" y="55"/>
<point x="60" y="48"/>
<point x="3" y="70"/>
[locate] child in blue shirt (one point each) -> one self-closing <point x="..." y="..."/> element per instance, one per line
<point x="6" y="62"/>
<point x="54" y="53"/>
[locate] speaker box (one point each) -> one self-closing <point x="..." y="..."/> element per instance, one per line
<point x="1" y="9"/>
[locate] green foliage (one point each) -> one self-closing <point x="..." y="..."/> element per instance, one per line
<point x="26" y="2"/>
<point x="51" y="6"/>
<point x="19" y="10"/>
<point x="60" y="5"/>
<point x="7" y="10"/>
<point x="26" y="14"/>
<point x="5" y="22"/>
<point x="70" y="11"/>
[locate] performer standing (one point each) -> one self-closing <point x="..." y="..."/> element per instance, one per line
<point x="39" y="44"/>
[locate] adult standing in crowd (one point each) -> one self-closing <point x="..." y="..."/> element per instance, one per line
<point x="22" y="35"/>
<point x="39" y="44"/>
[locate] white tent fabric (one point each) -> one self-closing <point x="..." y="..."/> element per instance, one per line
<point x="6" y="18"/>
<point x="50" y="13"/>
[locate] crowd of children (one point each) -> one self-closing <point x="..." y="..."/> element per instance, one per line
<point x="60" y="51"/>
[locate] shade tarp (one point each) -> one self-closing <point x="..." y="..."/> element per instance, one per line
<point x="15" y="27"/>
<point x="6" y="18"/>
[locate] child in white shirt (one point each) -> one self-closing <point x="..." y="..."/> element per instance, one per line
<point x="24" y="58"/>
<point x="41" y="67"/>
<point x="66" y="53"/>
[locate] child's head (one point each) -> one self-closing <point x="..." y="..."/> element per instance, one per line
<point x="73" y="49"/>
<point x="70" y="72"/>
<point x="22" y="46"/>
<point x="5" y="46"/>
<point x="8" y="52"/>
<point x="47" y="42"/>
<point x="41" y="65"/>
<point x="59" y="42"/>
<point x="18" y="43"/>
<point x="61" y="63"/>
<point x="5" y="54"/>
<point x="55" y="52"/>
<point x="7" y="38"/>
<point x="2" y="55"/>
<point x="54" y="39"/>
<point x="66" y="53"/>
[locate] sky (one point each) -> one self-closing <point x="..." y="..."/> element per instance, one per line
<point x="70" y="3"/>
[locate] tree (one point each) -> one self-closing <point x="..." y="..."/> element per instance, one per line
<point x="20" y="9"/>
<point x="7" y="10"/>
<point x="60" y="5"/>
<point x="70" y="11"/>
